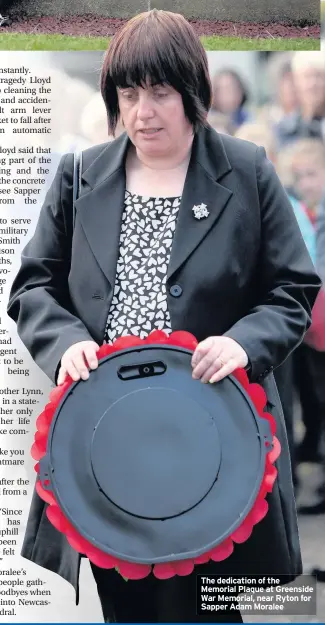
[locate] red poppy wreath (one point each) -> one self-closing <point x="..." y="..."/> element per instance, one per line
<point x="162" y="570"/>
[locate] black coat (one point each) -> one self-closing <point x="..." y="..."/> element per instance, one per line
<point x="243" y="272"/>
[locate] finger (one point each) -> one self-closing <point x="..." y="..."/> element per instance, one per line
<point x="201" y="350"/>
<point x="205" y="364"/>
<point x="215" y="367"/>
<point x="227" y="369"/>
<point x="72" y="370"/>
<point x="80" y="365"/>
<point x="61" y="375"/>
<point x="91" y="356"/>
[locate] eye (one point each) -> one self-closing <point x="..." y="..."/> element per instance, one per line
<point x="159" y="93"/>
<point x="128" y="95"/>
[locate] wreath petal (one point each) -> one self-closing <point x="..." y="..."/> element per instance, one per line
<point x="183" y="339"/>
<point x="134" y="571"/>
<point x="222" y="551"/>
<point x="202" y="559"/>
<point x="100" y="559"/>
<point x="157" y="336"/>
<point x="183" y="567"/>
<point x="163" y="570"/>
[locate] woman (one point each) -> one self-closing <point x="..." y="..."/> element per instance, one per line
<point x="230" y="96"/>
<point x="320" y="249"/>
<point x="308" y="72"/>
<point x="304" y="167"/>
<point x="239" y="278"/>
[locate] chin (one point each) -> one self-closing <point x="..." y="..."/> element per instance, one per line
<point x="153" y="147"/>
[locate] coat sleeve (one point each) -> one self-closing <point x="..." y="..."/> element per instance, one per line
<point x="287" y="284"/>
<point x="39" y="300"/>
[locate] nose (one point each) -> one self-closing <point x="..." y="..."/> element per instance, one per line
<point x="145" y="106"/>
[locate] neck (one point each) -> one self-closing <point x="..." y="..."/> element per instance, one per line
<point x="176" y="159"/>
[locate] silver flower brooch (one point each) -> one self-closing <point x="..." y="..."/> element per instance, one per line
<point x="200" y="211"/>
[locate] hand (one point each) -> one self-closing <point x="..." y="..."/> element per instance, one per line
<point x="74" y="361"/>
<point x="216" y="357"/>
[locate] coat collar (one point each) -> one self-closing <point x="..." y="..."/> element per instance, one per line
<point x="100" y="209"/>
<point x="207" y="151"/>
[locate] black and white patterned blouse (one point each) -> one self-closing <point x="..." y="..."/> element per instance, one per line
<point x="139" y="303"/>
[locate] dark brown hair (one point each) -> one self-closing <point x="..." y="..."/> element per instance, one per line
<point x="158" y="47"/>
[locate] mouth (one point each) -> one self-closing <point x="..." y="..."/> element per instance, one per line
<point x="150" y="131"/>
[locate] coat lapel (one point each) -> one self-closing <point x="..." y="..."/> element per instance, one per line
<point x="208" y="164"/>
<point x="100" y="207"/>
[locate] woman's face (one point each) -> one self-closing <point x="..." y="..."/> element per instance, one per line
<point x="310" y="85"/>
<point x="154" y="118"/>
<point x="287" y="93"/>
<point x="227" y="93"/>
<point x="309" y="177"/>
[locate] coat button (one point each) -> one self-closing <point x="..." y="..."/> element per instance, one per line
<point x="176" y="290"/>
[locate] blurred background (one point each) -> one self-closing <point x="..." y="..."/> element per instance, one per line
<point x="276" y="100"/>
